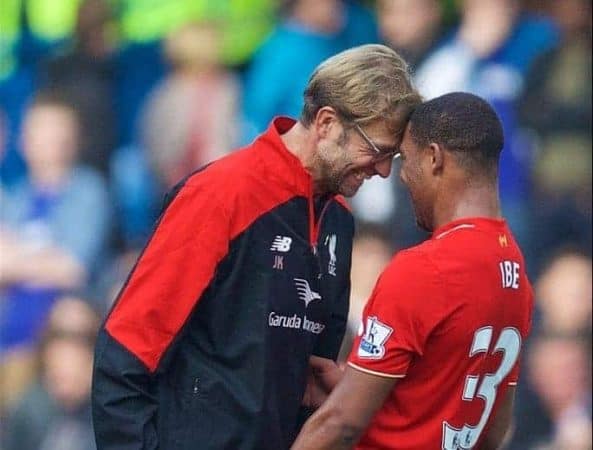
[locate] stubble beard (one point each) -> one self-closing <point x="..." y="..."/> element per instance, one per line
<point x="329" y="178"/>
<point x="421" y="215"/>
<point x="414" y="187"/>
<point x="422" y="226"/>
<point x="331" y="171"/>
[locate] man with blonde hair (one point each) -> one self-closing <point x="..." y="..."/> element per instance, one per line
<point x="238" y="304"/>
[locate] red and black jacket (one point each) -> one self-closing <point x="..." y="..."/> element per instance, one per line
<point x="207" y="345"/>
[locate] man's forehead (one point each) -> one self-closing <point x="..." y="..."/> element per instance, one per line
<point x="382" y="134"/>
<point x="407" y="132"/>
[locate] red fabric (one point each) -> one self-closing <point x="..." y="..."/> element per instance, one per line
<point x="424" y="315"/>
<point x="211" y="209"/>
<point x="342" y="201"/>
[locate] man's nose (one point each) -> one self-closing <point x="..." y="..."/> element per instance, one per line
<point x="383" y="168"/>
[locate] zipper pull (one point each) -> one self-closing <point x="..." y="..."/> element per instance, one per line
<point x="196" y="381"/>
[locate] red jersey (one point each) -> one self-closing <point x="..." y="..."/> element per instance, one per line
<point x="447" y="317"/>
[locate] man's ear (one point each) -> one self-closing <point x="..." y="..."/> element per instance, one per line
<point x="437" y="158"/>
<point x="325" y="119"/>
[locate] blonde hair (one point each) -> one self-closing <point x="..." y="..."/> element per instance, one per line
<point x="363" y="84"/>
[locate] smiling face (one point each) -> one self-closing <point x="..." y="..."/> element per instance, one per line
<point x="345" y="159"/>
<point x="415" y="174"/>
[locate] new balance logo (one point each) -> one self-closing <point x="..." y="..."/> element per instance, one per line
<point x="305" y="292"/>
<point x="281" y="244"/>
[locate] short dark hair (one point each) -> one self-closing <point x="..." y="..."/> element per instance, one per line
<point x="464" y="124"/>
<point x="53" y="97"/>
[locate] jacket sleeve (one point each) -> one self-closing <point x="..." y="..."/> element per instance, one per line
<point x="162" y="290"/>
<point x="123" y="399"/>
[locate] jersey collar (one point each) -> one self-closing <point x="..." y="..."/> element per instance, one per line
<point x="483" y="223"/>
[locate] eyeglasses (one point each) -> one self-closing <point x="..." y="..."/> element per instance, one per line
<point x="379" y="154"/>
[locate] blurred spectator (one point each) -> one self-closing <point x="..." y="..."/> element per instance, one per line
<point x="189" y="118"/>
<point x="85" y="71"/>
<point x="54" y="414"/>
<point x="246" y="21"/>
<point x="559" y="373"/>
<point x="489" y="55"/>
<point x="564" y="295"/>
<point x="53" y="229"/>
<point x="557" y="94"/>
<point x="15" y="88"/>
<point x="3" y="141"/>
<point x="136" y="196"/>
<point x="371" y="251"/>
<point x="557" y="106"/>
<point x="555" y="358"/>
<point x="311" y="31"/>
<point x="411" y="27"/>
<point x="140" y="63"/>
<point x="246" y="25"/>
<point x="29" y="30"/>
<point x="144" y="23"/>
<point x="14" y="93"/>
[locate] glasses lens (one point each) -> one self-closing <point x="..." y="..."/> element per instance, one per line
<point x="379" y="155"/>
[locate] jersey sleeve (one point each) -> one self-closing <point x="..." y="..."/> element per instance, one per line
<point x="398" y="318"/>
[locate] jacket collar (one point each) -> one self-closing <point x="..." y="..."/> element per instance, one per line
<point x="279" y="161"/>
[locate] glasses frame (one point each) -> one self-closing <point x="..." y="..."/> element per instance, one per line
<point x="379" y="155"/>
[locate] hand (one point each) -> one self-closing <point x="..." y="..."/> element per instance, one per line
<point x="315" y="394"/>
<point x="322" y="377"/>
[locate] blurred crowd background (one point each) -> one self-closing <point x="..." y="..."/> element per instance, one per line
<point x="105" y="104"/>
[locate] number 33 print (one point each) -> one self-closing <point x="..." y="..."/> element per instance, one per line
<point x="509" y="343"/>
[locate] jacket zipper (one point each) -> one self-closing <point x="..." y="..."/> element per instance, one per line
<point x="315" y="226"/>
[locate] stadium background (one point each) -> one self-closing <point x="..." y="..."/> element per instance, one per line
<point x="163" y="86"/>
